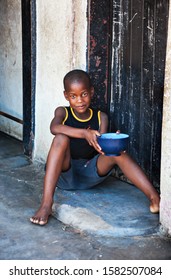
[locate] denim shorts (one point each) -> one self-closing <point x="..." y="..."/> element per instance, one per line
<point x="81" y="175"/>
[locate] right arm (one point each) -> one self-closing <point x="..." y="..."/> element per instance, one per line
<point x="57" y="126"/>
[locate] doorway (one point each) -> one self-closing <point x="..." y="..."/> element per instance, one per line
<point x="128" y="58"/>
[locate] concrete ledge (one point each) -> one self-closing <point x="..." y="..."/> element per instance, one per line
<point x="114" y="208"/>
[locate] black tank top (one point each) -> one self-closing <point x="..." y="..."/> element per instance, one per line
<point x="80" y="149"/>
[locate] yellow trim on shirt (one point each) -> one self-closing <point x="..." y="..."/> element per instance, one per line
<point x="99" y="118"/>
<point x="66" y="116"/>
<point x="80" y="120"/>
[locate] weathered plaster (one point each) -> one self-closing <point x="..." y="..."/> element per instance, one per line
<point x="11" y="66"/>
<point x="165" y="212"/>
<point x="61" y="46"/>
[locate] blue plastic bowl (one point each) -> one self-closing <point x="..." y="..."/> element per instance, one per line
<point x="113" y="144"/>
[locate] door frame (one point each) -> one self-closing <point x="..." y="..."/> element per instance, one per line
<point x="28" y="8"/>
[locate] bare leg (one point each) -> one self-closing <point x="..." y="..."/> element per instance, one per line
<point x="134" y="173"/>
<point x="58" y="160"/>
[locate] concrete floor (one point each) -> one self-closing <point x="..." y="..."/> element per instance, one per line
<point x="110" y="222"/>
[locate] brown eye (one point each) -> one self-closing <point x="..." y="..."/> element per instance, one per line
<point x="84" y="94"/>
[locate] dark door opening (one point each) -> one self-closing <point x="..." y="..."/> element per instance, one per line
<point x="126" y="55"/>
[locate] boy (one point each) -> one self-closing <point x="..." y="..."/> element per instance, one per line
<point x="75" y="160"/>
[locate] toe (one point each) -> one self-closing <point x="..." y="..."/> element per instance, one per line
<point x="42" y="222"/>
<point x="34" y="220"/>
<point x="38" y="221"/>
<point x="154" y="209"/>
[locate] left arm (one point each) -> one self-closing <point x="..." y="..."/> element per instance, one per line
<point x="93" y="134"/>
<point x="103" y="129"/>
<point x="104" y="123"/>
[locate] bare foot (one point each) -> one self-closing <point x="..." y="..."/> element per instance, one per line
<point x="154" y="209"/>
<point x="42" y="215"/>
<point x="154" y="205"/>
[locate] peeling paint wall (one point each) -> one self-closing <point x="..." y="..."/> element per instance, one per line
<point x="137" y="78"/>
<point x="11" y="66"/>
<point x="165" y="212"/>
<point x="61" y="46"/>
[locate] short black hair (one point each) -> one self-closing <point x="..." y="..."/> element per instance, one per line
<point x="76" y="75"/>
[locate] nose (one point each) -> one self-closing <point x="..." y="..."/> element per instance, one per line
<point x="79" y="99"/>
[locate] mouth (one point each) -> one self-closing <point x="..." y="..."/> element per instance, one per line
<point x="80" y="107"/>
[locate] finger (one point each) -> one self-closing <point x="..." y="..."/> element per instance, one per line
<point x="98" y="133"/>
<point x="101" y="152"/>
<point x="97" y="147"/>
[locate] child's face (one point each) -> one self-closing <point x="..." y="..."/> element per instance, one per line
<point x="79" y="95"/>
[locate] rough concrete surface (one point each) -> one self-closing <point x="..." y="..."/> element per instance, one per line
<point x="109" y="222"/>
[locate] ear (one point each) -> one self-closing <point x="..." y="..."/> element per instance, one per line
<point x="92" y="91"/>
<point x="66" y="95"/>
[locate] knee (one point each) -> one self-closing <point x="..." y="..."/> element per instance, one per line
<point x="61" y="140"/>
<point x="119" y="158"/>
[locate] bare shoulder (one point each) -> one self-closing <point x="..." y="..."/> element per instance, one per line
<point x="60" y="112"/>
<point x="59" y="116"/>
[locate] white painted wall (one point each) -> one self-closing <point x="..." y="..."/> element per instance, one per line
<point x="61" y="46"/>
<point x="11" y="66"/>
<point x="165" y="212"/>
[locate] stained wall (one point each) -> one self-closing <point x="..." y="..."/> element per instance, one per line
<point x="61" y="46"/>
